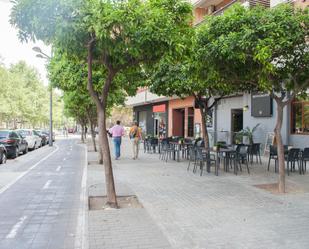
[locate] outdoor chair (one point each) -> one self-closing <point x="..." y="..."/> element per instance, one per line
<point x="168" y="151"/>
<point x="231" y="161"/>
<point x="191" y="156"/>
<point x="291" y="158"/>
<point x="255" y="151"/>
<point x="200" y="143"/>
<point x="186" y="147"/>
<point x="203" y="158"/>
<point x="153" y="144"/>
<point x="145" y="145"/>
<point x="242" y="156"/>
<point x="304" y="159"/>
<point x="272" y="156"/>
<point x="163" y="149"/>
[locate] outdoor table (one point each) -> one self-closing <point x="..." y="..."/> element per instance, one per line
<point x="225" y="152"/>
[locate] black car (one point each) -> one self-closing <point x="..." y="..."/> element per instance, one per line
<point x="43" y="136"/>
<point x="13" y="142"/>
<point x="3" y="154"/>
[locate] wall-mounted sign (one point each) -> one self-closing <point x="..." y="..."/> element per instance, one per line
<point x="158" y="108"/>
<point x="261" y="105"/>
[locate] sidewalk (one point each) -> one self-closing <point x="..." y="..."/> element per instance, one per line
<point x="184" y="210"/>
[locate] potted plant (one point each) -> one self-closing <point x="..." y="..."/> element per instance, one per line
<point x="247" y="132"/>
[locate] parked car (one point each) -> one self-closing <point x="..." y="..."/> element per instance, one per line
<point x="43" y="136"/>
<point x="47" y="134"/>
<point x="3" y="154"/>
<point x="13" y="142"/>
<point x="32" y="137"/>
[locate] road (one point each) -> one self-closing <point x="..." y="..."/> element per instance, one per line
<point x="42" y="198"/>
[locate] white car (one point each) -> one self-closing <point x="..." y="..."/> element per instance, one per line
<point x="32" y="137"/>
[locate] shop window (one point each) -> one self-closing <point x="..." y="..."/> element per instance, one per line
<point x="300" y="117"/>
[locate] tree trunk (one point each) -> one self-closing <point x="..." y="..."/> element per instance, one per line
<point x="205" y="132"/>
<point x="82" y="135"/>
<point x="280" y="148"/>
<point x="100" y="120"/>
<point x="109" y="177"/>
<point x="103" y="139"/>
<point x="92" y="134"/>
<point x="204" y="128"/>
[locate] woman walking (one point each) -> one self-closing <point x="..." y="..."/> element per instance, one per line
<point x="135" y="137"/>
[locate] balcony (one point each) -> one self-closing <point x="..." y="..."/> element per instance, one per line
<point x="214" y="7"/>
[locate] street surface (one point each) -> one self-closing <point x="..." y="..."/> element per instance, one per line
<point x="41" y="198"/>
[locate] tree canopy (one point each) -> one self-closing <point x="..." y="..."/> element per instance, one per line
<point x="266" y="49"/>
<point x="24" y="99"/>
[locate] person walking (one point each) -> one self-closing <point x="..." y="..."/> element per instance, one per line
<point x="117" y="131"/>
<point x="135" y="137"/>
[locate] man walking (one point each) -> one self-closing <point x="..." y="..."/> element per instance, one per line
<point x="135" y="136"/>
<point x="117" y="132"/>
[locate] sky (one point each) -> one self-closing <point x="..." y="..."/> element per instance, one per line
<point x="12" y="50"/>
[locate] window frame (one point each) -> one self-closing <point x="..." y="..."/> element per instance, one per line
<point x="303" y="104"/>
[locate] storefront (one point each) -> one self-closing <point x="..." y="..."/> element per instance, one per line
<point x="184" y="119"/>
<point x="152" y="118"/>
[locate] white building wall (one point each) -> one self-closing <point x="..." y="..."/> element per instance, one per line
<point x="267" y="124"/>
<point x="224" y="117"/>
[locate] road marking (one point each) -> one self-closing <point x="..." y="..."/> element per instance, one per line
<point x="81" y="229"/>
<point x="58" y="168"/>
<point x="46" y="186"/>
<point x="16" y="227"/>
<point x="5" y="188"/>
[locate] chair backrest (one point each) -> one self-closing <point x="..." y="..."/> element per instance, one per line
<point x="154" y="141"/>
<point x="242" y="149"/>
<point x="255" y="148"/>
<point x="188" y="140"/>
<point x="200" y="143"/>
<point x="272" y="150"/>
<point x="199" y="153"/>
<point x="306" y="153"/>
<point x="293" y="153"/>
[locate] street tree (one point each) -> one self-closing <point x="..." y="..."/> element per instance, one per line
<point x="123" y="37"/>
<point x="266" y="49"/>
<point x="70" y="75"/>
<point x="184" y="77"/>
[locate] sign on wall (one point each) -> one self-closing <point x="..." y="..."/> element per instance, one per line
<point x="261" y="105"/>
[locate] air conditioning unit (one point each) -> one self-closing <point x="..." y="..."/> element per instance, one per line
<point x="211" y="9"/>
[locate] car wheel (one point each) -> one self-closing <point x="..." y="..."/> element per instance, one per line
<point x="16" y="154"/>
<point x="3" y="158"/>
<point x="26" y="150"/>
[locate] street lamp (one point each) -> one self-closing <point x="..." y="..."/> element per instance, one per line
<point x="45" y="56"/>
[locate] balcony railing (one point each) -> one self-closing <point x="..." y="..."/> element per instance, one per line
<point x="246" y="3"/>
<point x="222" y="9"/>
